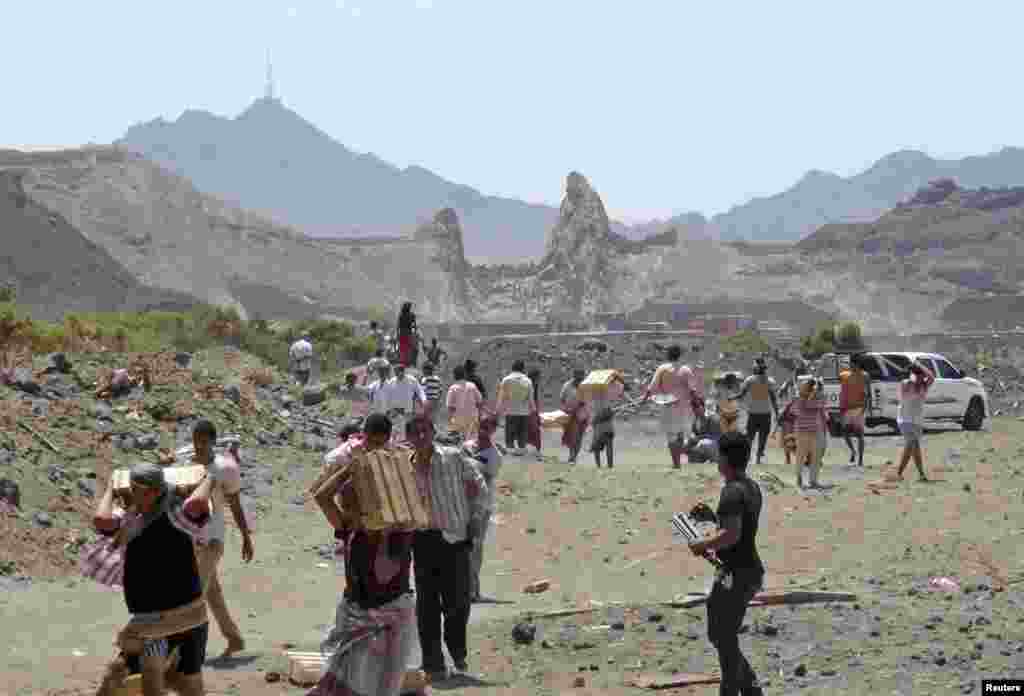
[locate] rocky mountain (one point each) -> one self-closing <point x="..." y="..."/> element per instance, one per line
<point x="946" y="254"/>
<point x="269" y="159"/>
<point x="55" y="268"/>
<point x="821" y="198"/>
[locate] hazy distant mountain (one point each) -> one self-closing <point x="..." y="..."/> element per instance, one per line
<point x="820" y="197"/>
<point x="272" y="161"/>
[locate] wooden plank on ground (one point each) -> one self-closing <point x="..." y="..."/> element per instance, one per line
<point x="762" y="599"/>
<point x="305" y="668"/>
<point x="560" y="613"/>
<point x="672" y="681"/>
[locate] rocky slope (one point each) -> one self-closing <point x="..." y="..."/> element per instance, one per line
<point x="56" y="269"/>
<point x="820" y="198"/>
<point x="944" y="249"/>
<point x="169" y="235"/>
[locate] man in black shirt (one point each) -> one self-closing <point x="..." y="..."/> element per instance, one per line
<point x="742" y="572"/>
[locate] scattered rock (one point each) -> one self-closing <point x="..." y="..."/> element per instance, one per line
<point x="618" y="626"/>
<point x="800" y="671"/>
<point x="828" y="673"/>
<point x="233" y="393"/>
<point x="124" y="441"/>
<point x="87" y="487"/>
<point x="10" y="492"/>
<point x="313" y="395"/>
<point x="58" y="362"/>
<point x="148" y="441"/>
<point x="524" y="633"/>
<point x="183" y="359"/>
<point x="537" y="586"/>
<point x="102" y="409"/>
<point x="583" y="645"/>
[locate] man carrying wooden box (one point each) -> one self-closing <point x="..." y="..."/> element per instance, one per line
<point x="368" y="493"/>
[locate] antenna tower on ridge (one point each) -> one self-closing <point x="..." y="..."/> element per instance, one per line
<point x="270" y="78"/>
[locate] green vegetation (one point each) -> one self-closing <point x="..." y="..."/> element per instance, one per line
<point x="830" y="337"/>
<point x="745" y="342"/>
<point x="203" y="327"/>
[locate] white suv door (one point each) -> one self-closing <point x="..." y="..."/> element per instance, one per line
<point x="959" y="394"/>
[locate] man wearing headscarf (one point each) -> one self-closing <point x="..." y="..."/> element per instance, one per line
<point x="160" y="578"/>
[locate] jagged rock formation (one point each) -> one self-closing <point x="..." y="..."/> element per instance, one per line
<point x="580" y="251"/>
<point x="454" y="299"/>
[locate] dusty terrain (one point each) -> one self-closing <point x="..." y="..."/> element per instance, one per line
<point x="602" y="537"/>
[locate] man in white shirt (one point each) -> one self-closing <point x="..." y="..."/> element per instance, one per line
<point x="376" y="391"/>
<point x="401" y="395"/>
<point x="488" y="460"/>
<point x="301" y="354"/>
<point x="224" y="472"/>
<point x="515" y="402"/>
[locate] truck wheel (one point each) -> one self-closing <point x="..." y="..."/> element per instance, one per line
<point x="974" y="416"/>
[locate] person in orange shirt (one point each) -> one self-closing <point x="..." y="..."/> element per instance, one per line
<point x="854" y="403"/>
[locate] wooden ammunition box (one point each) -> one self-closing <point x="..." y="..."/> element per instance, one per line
<point x="387" y="493"/>
<point x="185" y="478"/>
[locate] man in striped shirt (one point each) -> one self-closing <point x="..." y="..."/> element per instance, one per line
<point x="441" y="556"/>
<point x="433" y="390"/>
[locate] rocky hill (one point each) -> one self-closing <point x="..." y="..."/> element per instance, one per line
<point x="56" y="269"/>
<point x="168" y="235"/>
<point x="270" y="159"/>
<point x="959" y="248"/>
<point x="939" y="257"/>
<point x="821" y="198"/>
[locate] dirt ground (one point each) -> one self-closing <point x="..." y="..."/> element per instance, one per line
<point x="603" y="537"/>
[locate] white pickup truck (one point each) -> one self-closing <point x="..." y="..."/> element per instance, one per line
<point x="952" y="397"/>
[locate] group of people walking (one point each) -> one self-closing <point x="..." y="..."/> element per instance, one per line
<point x="405" y="586"/>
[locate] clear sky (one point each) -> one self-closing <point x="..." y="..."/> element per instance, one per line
<point x="666" y="106"/>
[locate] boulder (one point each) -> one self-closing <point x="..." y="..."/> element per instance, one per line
<point x="10" y="492"/>
<point x="313" y="395"/>
<point x="233" y="392"/>
<point x="524" y="633"/>
<point x="183" y="359"/>
<point x="58" y="362"/>
<point x="42" y="519"/>
<point x="149" y="441"/>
